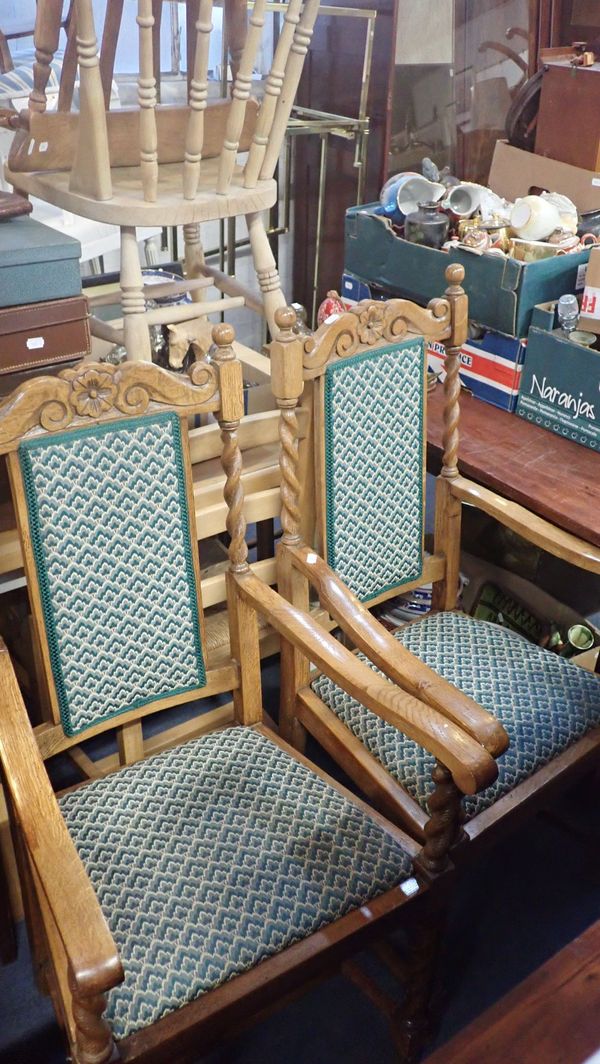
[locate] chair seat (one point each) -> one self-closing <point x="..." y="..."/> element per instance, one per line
<point x="211" y="857"/>
<point x="544" y="702"/>
<point x="128" y="207"/>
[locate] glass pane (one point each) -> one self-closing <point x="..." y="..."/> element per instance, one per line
<point x="492" y="43"/>
<point x="458" y="66"/>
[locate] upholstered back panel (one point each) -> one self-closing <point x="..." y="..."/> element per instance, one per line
<point x="109" y="527"/>
<point x="374" y="467"/>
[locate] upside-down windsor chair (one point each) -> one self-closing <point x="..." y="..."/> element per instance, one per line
<point x="172" y="897"/>
<point x="158" y="164"/>
<point x="368" y="373"/>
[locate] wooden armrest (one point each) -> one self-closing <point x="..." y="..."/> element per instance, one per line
<point x="88" y="943"/>
<point x="471" y="766"/>
<point x="533" y="528"/>
<point x="398" y="663"/>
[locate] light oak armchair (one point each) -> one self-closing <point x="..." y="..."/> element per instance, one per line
<point x="163" y="165"/>
<point x="536" y="712"/>
<point x="171" y="899"/>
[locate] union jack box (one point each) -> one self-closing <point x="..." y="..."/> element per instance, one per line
<point x="490" y="367"/>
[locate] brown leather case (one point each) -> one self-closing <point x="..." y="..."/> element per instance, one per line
<point x="12" y="205"/>
<point x="37" y="336"/>
<point x="568" y="127"/>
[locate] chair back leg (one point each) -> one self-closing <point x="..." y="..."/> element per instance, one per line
<point x="266" y="269"/>
<point x="136" y="336"/>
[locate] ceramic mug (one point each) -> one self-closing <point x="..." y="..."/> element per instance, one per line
<point x="464" y="199"/>
<point x="388" y="197"/>
<point x="534" y="218"/>
<point x="415" y="190"/>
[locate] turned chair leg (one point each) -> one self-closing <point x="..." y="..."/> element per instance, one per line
<point x="266" y="269"/>
<point x="136" y="336"/>
<point x="413" y="1028"/>
<point x="194" y="258"/>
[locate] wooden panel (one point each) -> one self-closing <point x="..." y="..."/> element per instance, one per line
<point x="53" y="136"/>
<point x="568" y="127"/>
<point x="553" y="477"/>
<point x="552" y="1016"/>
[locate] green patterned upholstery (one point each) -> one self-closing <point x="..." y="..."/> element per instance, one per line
<point x="212" y="857"/>
<point x="109" y="526"/>
<point x="544" y="702"/>
<point x="374" y="455"/>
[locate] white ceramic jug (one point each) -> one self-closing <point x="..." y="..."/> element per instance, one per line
<point x="534" y="218"/>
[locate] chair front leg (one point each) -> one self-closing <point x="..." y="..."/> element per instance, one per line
<point x="94" y="1041"/>
<point x="444" y="827"/>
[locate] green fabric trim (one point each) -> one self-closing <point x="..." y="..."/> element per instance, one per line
<point x="25" y="448"/>
<point x="329" y="470"/>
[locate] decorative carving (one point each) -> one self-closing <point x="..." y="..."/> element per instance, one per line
<point x="444" y="827"/>
<point x="93" y="393"/>
<point x="94" y="1039"/>
<point x="450" y="437"/>
<point x="231" y="458"/>
<point x="370" y="322"/>
<point x="94" y="390"/>
<point x="371" y="325"/>
<point x="457" y="302"/>
<point x="288" y="461"/>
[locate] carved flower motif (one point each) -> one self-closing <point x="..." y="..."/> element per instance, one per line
<point x="371" y="325"/>
<point x="93" y="393"/>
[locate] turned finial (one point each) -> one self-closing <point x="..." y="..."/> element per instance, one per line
<point x="223" y="335"/>
<point x="285" y="318"/>
<point x="455" y="273"/>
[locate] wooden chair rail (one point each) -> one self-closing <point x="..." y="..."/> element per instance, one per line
<point x="472" y="767"/>
<point x="535" y="529"/>
<point x="51" y="738"/>
<point x="398" y="664"/>
<point x="88" y="944"/>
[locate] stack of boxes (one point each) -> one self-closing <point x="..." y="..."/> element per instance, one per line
<point x="43" y="315"/>
<point x="503" y="293"/>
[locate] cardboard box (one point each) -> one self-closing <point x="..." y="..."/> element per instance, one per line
<point x="590" y="304"/>
<point x="502" y="292"/>
<point x="560" y="384"/>
<point x="513" y="172"/>
<point x="37" y="263"/>
<point x="490" y="367"/>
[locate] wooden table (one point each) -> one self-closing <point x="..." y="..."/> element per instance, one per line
<point x="554" y="477"/>
<point x="552" y="1017"/>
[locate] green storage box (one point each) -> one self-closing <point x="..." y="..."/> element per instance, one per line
<point x="502" y="292"/>
<point x="560" y="383"/>
<point x="37" y="263"/>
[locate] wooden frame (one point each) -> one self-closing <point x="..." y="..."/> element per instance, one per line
<point x="99" y="393"/>
<point x="70" y="938"/>
<point x="300" y="567"/>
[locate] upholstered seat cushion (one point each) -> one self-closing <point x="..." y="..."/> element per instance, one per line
<point x="544" y="702"/>
<point x="212" y="857"/>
